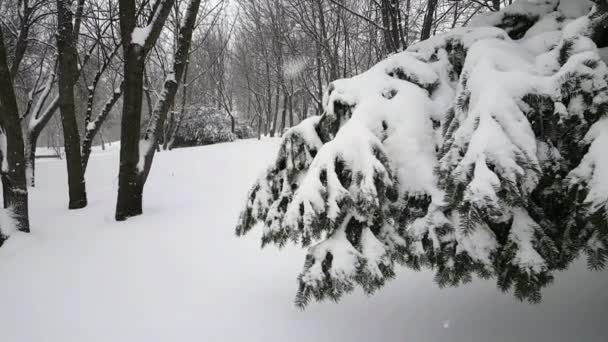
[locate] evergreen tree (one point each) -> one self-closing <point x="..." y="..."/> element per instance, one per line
<point x="476" y="152"/>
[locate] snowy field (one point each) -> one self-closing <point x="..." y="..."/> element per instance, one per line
<point x="178" y="273"/>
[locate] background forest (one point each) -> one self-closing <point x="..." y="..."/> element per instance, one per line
<point x="261" y="64"/>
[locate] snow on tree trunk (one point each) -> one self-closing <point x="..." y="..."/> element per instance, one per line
<point x="37" y="122"/>
<point x="12" y="165"/>
<point x="155" y="125"/>
<point x="476" y="152"/>
<point x="129" y="195"/>
<point x="135" y="172"/>
<point x="93" y="127"/>
<point x="68" y="74"/>
<point x="137" y="43"/>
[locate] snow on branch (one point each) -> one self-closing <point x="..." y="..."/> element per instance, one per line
<point x="476" y="152"/>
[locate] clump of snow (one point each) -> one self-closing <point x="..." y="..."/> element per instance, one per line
<point x="170" y="78"/>
<point x="8" y="224"/>
<point x="574" y="8"/>
<point x="374" y="253"/>
<point x="3" y="152"/>
<point x="522" y="233"/>
<point x="145" y="145"/>
<point x="593" y="168"/>
<point x="91" y="126"/>
<point x="140" y="35"/>
<point x="342" y="266"/>
<point x="466" y="36"/>
<point x="478" y="244"/>
<point x="523" y="8"/>
<point x="481" y="191"/>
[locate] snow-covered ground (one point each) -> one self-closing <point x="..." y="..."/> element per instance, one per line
<point x="178" y="273"/>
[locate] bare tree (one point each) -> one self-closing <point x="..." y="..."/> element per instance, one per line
<point x="11" y="146"/>
<point x="137" y="43"/>
<point x="155" y="125"/>
<point x="68" y="74"/>
<point x="427" y="25"/>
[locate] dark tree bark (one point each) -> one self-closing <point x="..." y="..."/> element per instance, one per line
<point x="22" y="39"/>
<point x="304" y="114"/>
<point x="427" y="24"/>
<point x="388" y="40"/>
<point x="133" y="172"/>
<point x="392" y="26"/>
<point x="284" y="114"/>
<point x="13" y="163"/>
<point x="259" y="127"/>
<point x="268" y="97"/>
<point x="275" y="115"/>
<point x="129" y="196"/>
<point x="406" y="23"/>
<point x="318" y="66"/>
<point x="67" y="76"/>
<point x="291" y="106"/>
<point x="182" y="112"/>
<point x="496" y="5"/>
<point x="154" y="129"/>
<point x="333" y="72"/>
<point x="129" y="200"/>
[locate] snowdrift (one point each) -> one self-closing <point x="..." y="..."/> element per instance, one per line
<point x="477" y="152"/>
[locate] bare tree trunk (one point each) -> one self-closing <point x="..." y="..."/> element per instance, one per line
<point x="291" y="106"/>
<point x="496" y="5"/>
<point x="275" y="115"/>
<point x="284" y="114"/>
<point x="400" y="24"/>
<point x="30" y="158"/>
<point x="102" y="140"/>
<point x="304" y="109"/>
<point x="129" y="195"/>
<point x="259" y="127"/>
<point x="333" y="73"/>
<point x="185" y="96"/>
<point x="129" y="190"/>
<point x="427" y="24"/>
<point x="406" y="22"/>
<point x="388" y="39"/>
<point x="13" y="163"/>
<point x="66" y="81"/>
<point x="268" y="99"/>
<point x="22" y="40"/>
<point x="137" y="163"/>
<point x="319" y="77"/>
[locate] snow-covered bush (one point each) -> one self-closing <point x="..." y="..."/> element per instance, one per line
<point x="206" y="126"/>
<point x="477" y="152"/>
<point x="243" y="129"/>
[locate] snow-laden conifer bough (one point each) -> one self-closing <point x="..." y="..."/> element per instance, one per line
<point x="482" y="151"/>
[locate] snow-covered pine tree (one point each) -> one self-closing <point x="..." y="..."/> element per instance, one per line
<point x="477" y="152"/>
